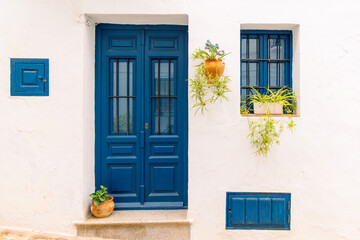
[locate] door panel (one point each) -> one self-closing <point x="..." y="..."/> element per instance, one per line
<point x="164" y="169"/>
<point x="124" y="155"/>
<point x="121" y="89"/>
<point x="141" y="115"/>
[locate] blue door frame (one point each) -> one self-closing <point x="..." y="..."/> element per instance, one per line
<point x="141" y="115"/>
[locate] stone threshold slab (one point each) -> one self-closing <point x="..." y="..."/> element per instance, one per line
<point x="139" y="217"/>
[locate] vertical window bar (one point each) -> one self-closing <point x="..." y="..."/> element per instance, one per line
<point x="247" y="63"/>
<point x="269" y="65"/>
<point x="258" y="64"/>
<point x="278" y="64"/>
<point x="117" y="99"/>
<point x="111" y="83"/>
<point x="127" y="86"/>
<point x="169" y="98"/>
<point x="158" y="98"/>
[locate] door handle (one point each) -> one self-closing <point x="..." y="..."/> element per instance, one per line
<point x="146" y="126"/>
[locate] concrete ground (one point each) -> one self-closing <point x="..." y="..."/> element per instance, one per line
<point x="19" y="235"/>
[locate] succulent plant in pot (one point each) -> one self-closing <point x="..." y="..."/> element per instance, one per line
<point x="102" y="203"/>
<point x="209" y="84"/>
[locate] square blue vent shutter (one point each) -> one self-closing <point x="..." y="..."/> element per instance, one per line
<point x="269" y="211"/>
<point x="29" y="77"/>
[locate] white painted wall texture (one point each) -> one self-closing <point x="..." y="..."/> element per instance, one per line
<point x="47" y="143"/>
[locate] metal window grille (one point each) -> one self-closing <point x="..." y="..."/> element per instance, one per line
<point x="266" y="58"/>
<point x="121" y="96"/>
<point x="163" y="97"/>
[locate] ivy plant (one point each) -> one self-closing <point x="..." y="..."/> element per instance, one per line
<point x="266" y="130"/>
<point x="100" y="196"/>
<point x="202" y="90"/>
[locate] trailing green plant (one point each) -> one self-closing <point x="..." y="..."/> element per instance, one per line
<point x="202" y="90"/>
<point x="244" y="108"/>
<point x="266" y="130"/>
<point x="100" y="196"/>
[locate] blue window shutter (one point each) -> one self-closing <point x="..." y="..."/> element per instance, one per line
<point x="251" y="211"/>
<point x="278" y="211"/>
<point x="265" y="210"/>
<point x="29" y="77"/>
<point x="238" y="207"/>
<point x="269" y="211"/>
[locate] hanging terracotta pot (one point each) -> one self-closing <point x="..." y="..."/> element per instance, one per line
<point x="104" y="209"/>
<point x="213" y="68"/>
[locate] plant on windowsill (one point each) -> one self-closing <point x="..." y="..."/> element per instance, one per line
<point x="102" y="203"/>
<point x="209" y="84"/>
<point x="266" y="130"/>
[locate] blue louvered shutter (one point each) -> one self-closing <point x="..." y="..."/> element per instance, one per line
<point x="258" y="211"/>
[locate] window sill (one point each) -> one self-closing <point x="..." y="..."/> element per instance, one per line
<point x="274" y="115"/>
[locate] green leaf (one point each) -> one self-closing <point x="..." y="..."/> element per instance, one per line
<point x="93" y="195"/>
<point x="96" y="201"/>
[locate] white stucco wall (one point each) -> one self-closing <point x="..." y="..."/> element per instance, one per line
<point x="41" y="138"/>
<point x="47" y="143"/>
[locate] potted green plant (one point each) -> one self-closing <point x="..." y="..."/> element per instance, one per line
<point x="266" y="130"/>
<point x="209" y="84"/>
<point x="273" y="103"/>
<point x="102" y="203"/>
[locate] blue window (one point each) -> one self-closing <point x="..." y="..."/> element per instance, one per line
<point x="266" y="60"/>
<point x="29" y="77"/>
<point x="269" y="211"/>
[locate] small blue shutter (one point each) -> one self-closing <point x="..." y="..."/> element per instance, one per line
<point x="258" y="211"/>
<point x="238" y="206"/>
<point x="29" y="77"/>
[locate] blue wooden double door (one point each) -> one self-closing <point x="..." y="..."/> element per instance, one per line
<point x="141" y="115"/>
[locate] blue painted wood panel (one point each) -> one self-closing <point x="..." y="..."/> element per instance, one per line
<point x="258" y="211"/>
<point x="29" y="77"/>
<point x="141" y="115"/>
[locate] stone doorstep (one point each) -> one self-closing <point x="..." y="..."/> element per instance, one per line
<point x="139" y="217"/>
<point x="138" y="225"/>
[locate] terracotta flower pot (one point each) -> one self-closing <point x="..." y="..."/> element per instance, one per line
<point x="104" y="209"/>
<point x="213" y="68"/>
